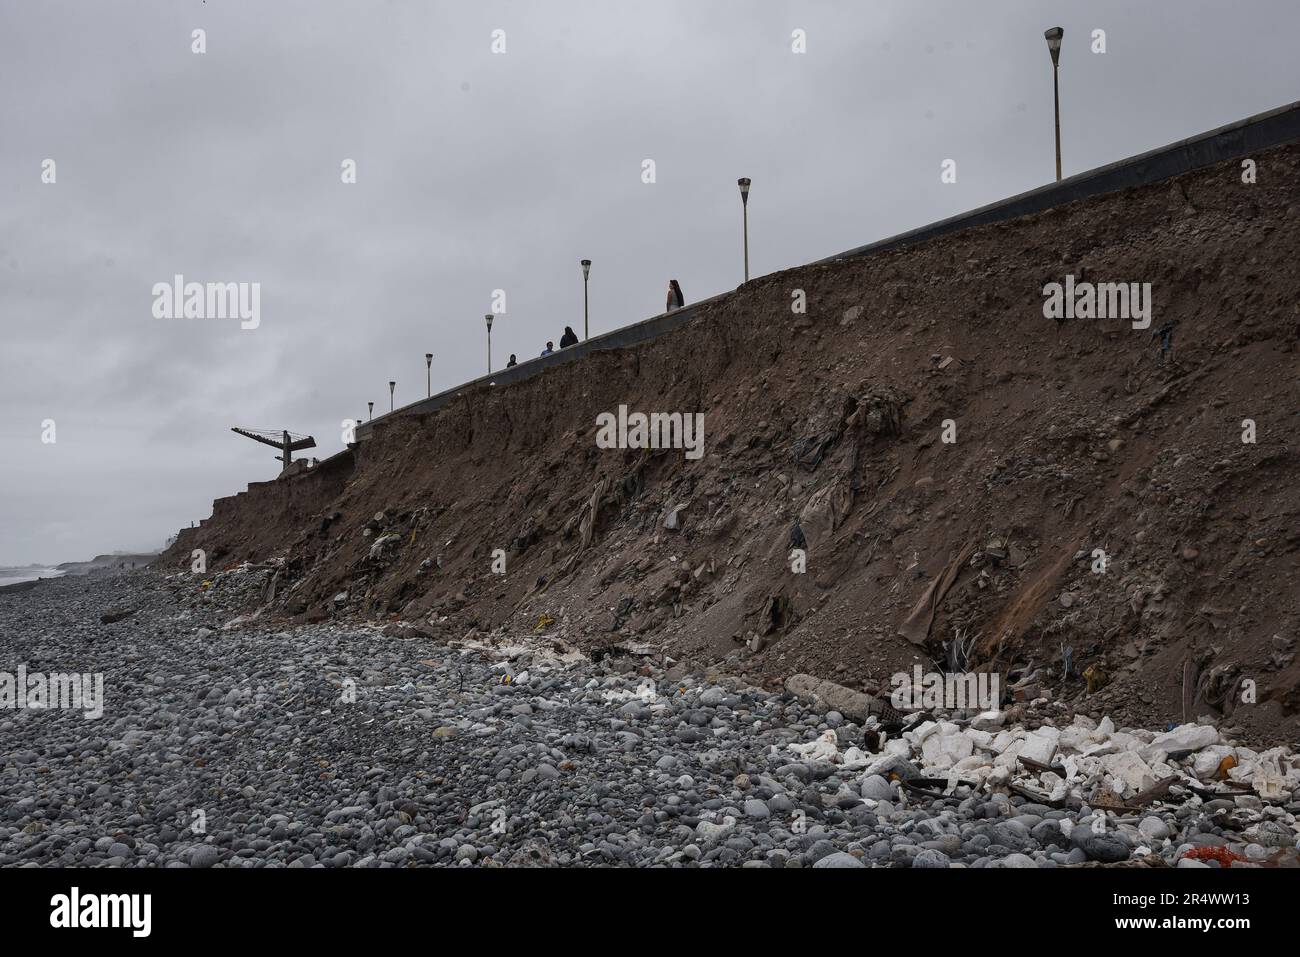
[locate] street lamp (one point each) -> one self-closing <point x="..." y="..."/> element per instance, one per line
<point x="488" y="320"/>
<point x="371" y="406"/>
<point x="586" y="271"/>
<point x="744" y="202"/>
<point x="391" y="387"/>
<point x="428" y="373"/>
<point x="1054" y="47"/>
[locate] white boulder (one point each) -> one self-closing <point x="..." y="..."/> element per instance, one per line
<point x="825" y="748"/>
<point x="1041" y="745"/>
<point x="1129" y="771"/>
<point x="1207" y="762"/>
<point x="1185" y="737"/>
<point x="942" y="751"/>
<point x="989" y="720"/>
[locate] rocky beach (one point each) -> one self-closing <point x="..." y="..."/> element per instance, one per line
<point x="227" y="741"/>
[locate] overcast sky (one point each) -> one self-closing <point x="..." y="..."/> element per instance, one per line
<point x="479" y="171"/>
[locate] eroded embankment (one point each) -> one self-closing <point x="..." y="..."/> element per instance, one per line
<point x="1078" y="501"/>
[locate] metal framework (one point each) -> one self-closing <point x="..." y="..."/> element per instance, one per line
<point x="287" y="443"/>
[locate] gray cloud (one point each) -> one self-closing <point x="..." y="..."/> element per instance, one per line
<point x="481" y="171"/>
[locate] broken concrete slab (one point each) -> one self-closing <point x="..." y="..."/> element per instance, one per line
<point x="942" y="751"/>
<point x="1129" y="772"/>
<point x="1040" y="745"/>
<point x="829" y="696"/>
<point x="1185" y="737"/>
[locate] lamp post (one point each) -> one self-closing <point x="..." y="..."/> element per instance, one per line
<point x="744" y="202"/>
<point x="428" y="374"/>
<point x="1053" y="37"/>
<point x="371" y="407"/>
<point x="488" y="321"/>
<point x="586" y="271"/>
<point x="391" y="387"/>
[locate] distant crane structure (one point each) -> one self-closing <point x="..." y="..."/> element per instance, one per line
<point x="287" y="442"/>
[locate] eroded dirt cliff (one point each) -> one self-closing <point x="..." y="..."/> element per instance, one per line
<point x="827" y="429"/>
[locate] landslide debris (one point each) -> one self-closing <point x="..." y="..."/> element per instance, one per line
<point x="974" y="485"/>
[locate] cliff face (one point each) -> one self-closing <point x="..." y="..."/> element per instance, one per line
<point x="268" y="518"/>
<point x="972" y="483"/>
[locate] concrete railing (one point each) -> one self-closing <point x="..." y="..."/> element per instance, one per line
<point x="1233" y="141"/>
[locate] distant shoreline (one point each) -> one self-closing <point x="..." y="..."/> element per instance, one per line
<point x="24" y="576"/>
<point x="15" y="578"/>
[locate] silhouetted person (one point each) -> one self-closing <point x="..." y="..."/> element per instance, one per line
<point x="568" y="339"/>
<point x="550" y="347"/>
<point x="513" y="361"/>
<point x="675" y="298"/>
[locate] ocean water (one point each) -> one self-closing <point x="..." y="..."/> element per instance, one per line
<point x="12" y="576"/>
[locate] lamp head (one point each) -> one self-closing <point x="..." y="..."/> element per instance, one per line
<point x="1053" y="36"/>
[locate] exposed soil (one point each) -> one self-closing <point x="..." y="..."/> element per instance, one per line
<point x="1070" y="437"/>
